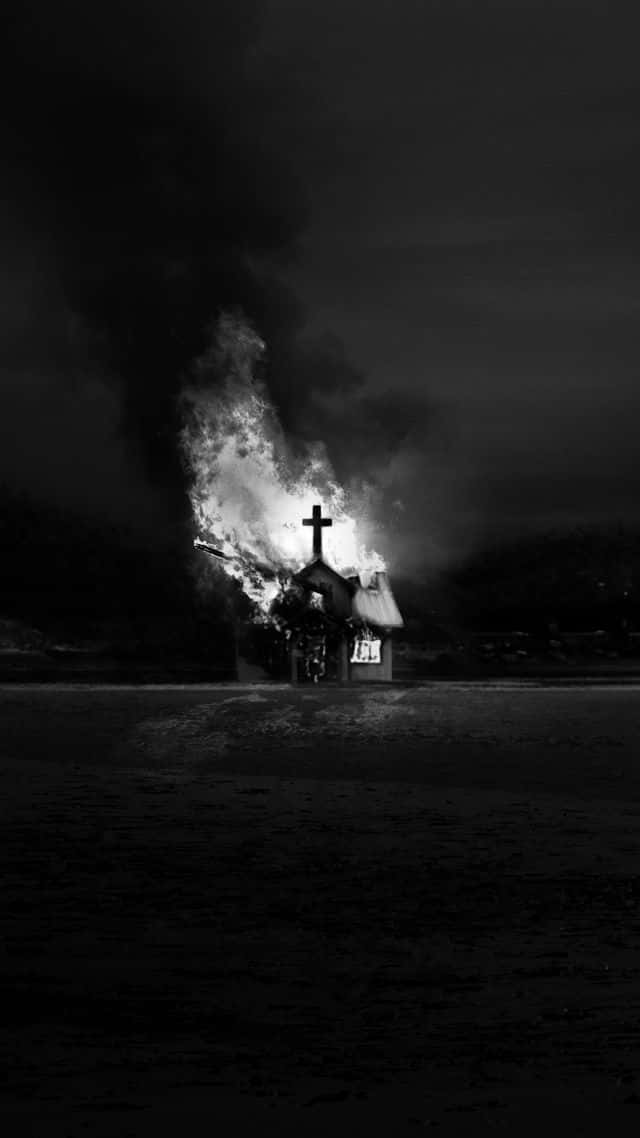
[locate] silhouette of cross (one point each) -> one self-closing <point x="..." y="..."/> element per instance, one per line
<point x="317" y="521"/>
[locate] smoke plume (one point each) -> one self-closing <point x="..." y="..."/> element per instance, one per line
<point x="139" y="196"/>
<point x="146" y="191"/>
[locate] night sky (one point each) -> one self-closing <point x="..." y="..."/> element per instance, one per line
<point x="429" y="210"/>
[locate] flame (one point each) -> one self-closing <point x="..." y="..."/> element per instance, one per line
<point x="249" y="493"/>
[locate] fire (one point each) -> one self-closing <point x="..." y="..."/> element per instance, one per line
<point x="249" y="493"/>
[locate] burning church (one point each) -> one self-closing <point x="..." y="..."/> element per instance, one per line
<point x="337" y="627"/>
<point x="354" y="620"/>
<point x="249" y="492"/>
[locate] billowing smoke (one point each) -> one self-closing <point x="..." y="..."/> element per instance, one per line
<point x="140" y="196"/>
<point x="144" y="192"/>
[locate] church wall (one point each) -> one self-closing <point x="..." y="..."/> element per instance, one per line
<point x="358" y="673"/>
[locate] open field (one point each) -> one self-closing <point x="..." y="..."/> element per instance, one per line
<point x="320" y="909"/>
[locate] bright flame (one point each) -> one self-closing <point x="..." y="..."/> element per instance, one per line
<point x="249" y="495"/>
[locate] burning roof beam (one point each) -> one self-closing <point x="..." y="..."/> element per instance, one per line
<point x="206" y="547"/>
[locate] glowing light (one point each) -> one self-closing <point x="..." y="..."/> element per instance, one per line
<point x="249" y="493"/>
<point x="366" y="650"/>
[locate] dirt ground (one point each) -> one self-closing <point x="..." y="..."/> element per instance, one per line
<point x="260" y="909"/>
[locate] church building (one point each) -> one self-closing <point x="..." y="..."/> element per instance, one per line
<point x="361" y="616"/>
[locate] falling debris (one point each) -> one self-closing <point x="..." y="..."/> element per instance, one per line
<point x="211" y="549"/>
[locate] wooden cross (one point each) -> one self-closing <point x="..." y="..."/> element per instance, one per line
<point x="317" y="521"/>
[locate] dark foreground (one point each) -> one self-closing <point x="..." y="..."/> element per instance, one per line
<point x="254" y="909"/>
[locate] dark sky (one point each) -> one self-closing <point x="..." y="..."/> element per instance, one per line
<point x="428" y="209"/>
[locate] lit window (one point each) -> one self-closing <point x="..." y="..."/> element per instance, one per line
<point x="366" y="650"/>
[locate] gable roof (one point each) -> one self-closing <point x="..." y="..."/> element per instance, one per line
<point x="320" y="567"/>
<point x="374" y="604"/>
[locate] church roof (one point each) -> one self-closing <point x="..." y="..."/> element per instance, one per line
<point x="318" y="567"/>
<point x="376" y="604"/>
<point x="373" y="604"/>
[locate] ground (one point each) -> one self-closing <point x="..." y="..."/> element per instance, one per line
<point x="297" y="911"/>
